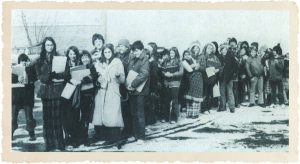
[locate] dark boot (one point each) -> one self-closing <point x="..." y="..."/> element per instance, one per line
<point x="32" y="136"/>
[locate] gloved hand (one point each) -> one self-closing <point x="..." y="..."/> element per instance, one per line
<point x="52" y="75"/>
<point x="86" y="80"/>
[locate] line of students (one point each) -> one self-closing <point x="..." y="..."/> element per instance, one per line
<point x="118" y="111"/>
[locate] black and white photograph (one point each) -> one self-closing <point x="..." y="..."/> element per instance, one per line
<point x="128" y="80"/>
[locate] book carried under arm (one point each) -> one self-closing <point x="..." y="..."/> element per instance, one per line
<point x="130" y="77"/>
<point x="78" y="73"/>
<point x="210" y="71"/>
<point x="68" y="91"/>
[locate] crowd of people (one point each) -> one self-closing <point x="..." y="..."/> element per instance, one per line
<point x="218" y="76"/>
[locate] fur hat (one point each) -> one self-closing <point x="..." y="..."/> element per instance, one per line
<point x="193" y="44"/>
<point x="124" y="42"/>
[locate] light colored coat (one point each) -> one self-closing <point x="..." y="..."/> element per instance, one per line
<point x="107" y="110"/>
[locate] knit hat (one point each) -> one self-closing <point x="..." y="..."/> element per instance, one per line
<point x="124" y="42"/>
<point x="278" y="49"/>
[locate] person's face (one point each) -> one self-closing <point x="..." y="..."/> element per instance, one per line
<point x="209" y="49"/>
<point x="187" y="55"/>
<point x="72" y="55"/>
<point x="242" y="52"/>
<point x="232" y="45"/>
<point x="196" y="49"/>
<point x="137" y="53"/>
<point x="253" y="53"/>
<point x="224" y="51"/>
<point x="107" y="53"/>
<point x="98" y="43"/>
<point x="49" y="46"/>
<point x="122" y="49"/>
<point x="275" y="53"/>
<point x="172" y="54"/>
<point x="23" y="63"/>
<point x="85" y="59"/>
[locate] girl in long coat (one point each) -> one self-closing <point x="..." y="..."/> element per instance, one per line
<point x="107" y="110"/>
<point x="194" y="95"/>
<point x="50" y="93"/>
<point x="71" y="113"/>
<point x="87" y="97"/>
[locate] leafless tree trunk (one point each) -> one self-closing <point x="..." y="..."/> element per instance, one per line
<point x="26" y="28"/>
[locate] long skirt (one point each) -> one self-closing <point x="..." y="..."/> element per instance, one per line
<point x="53" y="131"/>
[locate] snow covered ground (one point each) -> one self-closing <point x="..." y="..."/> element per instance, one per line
<point x="253" y="129"/>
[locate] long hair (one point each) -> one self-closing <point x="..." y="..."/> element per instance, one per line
<point x="154" y="51"/>
<point x="111" y="47"/>
<point x="176" y="52"/>
<point x="76" y="51"/>
<point x="205" y="47"/>
<point x="43" y="49"/>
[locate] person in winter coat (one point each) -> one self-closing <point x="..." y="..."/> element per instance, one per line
<point x="87" y="97"/>
<point x="98" y="42"/>
<point x="50" y="93"/>
<point x="172" y="73"/>
<point x="231" y="73"/>
<point x="123" y="53"/>
<point x="243" y="79"/>
<point x="212" y="61"/>
<point x="276" y="68"/>
<point x="107" y="112"/>
<point x="23" y="97"/>
<point x="222" y="100"/>
<point x="286" y="79"/>
<point x="138" y="63"/>
<point x="184" y="84"/>
<point x="194" y="94"/>
<point x="255" y="71"/>
<point x="71" y="113"/>
<point x="267" y="88"/>
<point x="153" y="104"/>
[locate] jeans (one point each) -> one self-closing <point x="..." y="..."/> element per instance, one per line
<point x="277" y="84"/>
<point x="137" y="104"/>
<point x="171" y="95"/>
<point x="230" y="95"/>
<point x="30" y="122"/>
<point x="223" y="95"/>
<point x="259" y="82"/>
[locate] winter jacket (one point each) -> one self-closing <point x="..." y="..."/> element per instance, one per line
<point x="175" y="67"/>
<point x="48" y="88"/>
<point x="231" y="67"/>
<point x="142" y="67"/>
<point x="254" y="67"/>
<point x="276" y="66"/>
<point x="107" y="109"/>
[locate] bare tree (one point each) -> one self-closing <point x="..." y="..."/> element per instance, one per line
<point x="24" y="21"/>
<point x="41" y="29"/>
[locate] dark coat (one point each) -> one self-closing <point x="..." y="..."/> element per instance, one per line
<point x="142" y="67"/>
<point x="24" y="95"/>
<point x="48" y="88"/>
<point x="276" y="68"/>
<point x="231" y="67"/>
<point x="254" y="67"/>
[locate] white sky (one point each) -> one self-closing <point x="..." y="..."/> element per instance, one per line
<point x="174" y="27"/>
